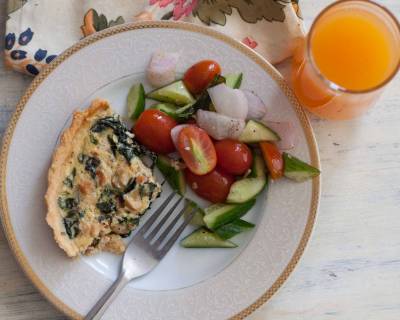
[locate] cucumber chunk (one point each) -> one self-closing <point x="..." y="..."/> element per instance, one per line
<point x="220" y="214"/>
<point x="256" y="132"/>
<point x="175" y="93"/>
<point x="203" y="238"/>
<point x="198" y="216"/>
<point x="297" y="170"/>
<point x="230" y="230"/>
<point x="186" y="112"/>
<point x="234" y="80"/>
<point x="167" y="108"/>
<point x="135" y="101"/>
<point x="172" y="173"/>
<point x="258" y="168"/>
<point x="245" y="189"/>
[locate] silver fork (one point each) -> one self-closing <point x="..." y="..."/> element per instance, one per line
<point x="145" y="250"/>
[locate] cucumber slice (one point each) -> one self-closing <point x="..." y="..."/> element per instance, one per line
<point x="175" y="93"/>
<point x="258" y="168"/>
<point x="255" y="132"/>
<point x="186" y="112"/>
<point x="245" y="189"/>
<point x="230" y="230"/>
<point x="174" y="176"/>
<point x="203" y="238"/>
<point x="234" y="80"/>
<point x="220" y="214"/>
<point x="167" y="108"/>
<point x="197" y="219"/>
<point x="135" y="101"/>
<point x="297" y="170"/>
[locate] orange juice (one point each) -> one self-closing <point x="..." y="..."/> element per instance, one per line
<point x="353" y="48"/>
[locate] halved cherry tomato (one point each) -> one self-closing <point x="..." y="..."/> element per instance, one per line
<point x="199" y="76"/>
<point x="197" y="150"/>
<point x="273" y="159"/>
<point x="233" y="156"/>
<point x="213" y="186"/>
<point x="153" y="130"/>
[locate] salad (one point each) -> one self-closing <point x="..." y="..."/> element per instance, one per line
<point x="216" y="139"/>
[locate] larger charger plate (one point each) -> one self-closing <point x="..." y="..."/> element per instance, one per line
<point x="188" y="284"/>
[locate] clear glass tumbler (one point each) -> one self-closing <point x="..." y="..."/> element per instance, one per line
<point x="351" y="52"/>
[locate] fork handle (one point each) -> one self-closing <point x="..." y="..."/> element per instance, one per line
<point x="102" y="305"/>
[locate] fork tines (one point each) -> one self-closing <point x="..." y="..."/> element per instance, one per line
<point x="170" y="231"/>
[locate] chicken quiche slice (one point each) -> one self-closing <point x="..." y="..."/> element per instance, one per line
<point x="98" y="186"/>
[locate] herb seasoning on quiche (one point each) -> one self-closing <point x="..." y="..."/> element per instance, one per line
<point x="98" y="185"/>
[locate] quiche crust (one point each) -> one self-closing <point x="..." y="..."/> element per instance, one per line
<point x="96" y="224"/>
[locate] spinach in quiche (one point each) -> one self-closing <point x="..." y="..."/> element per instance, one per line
<point x="122" y="141"/>
<point x="99" y="187"/>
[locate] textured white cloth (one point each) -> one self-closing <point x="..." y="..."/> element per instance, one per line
<point x="38" y="30"/>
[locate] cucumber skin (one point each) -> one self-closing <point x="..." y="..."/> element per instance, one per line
<point x="236" y="197"/>
<point x="298" y="170"/>
<point x="167" y="108"/>
<point x="213" y="221"/>
<point x="175" y="178"/>
<point x="232" y="229"/>
<point x="198" y="216"/>
<point x="140" y="104"/>
<point x="258" y="169"/>
<point x="203" y="238"/>
<point x="246" y="136"/>
<point x="234" y="81"/>
<point x="185" y="98"/>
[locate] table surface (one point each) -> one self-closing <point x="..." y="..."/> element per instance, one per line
<point x="351" y="267"/>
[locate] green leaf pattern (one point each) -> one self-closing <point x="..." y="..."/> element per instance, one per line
<point x="251" y="11"/>
<point x="100" y="21"/>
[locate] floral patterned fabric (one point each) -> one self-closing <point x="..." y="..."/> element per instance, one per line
<point x="38" y="30"/>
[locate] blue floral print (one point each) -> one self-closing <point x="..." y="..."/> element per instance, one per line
<point x="18" y="54"/>
<point x="50" y="58"/>
<point x="10" y="40"/>
<point x="18" y="58"/>
<point x="25" y="37"/>
<point x="40" y="55"/>
<point x="32" y="69"/>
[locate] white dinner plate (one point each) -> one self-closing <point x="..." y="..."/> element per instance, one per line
<point x="188" y="283"/>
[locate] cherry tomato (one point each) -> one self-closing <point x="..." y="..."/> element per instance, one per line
<point x="213" y="186"/>
<point x="273" y="159"/>
<point x="233" y="156"/>
<point x="197" y="150"/>
<point x="153" y="130"/>
<point x="199" y="76"/>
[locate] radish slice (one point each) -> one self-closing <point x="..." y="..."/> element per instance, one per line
<point x="162" y="67"/>
<point x="219" y="126"/>
<point x="257" y="108"/>
<point x="286" y="132"/>
<point x="229" y="102"/>
<point x="175" y="132"/>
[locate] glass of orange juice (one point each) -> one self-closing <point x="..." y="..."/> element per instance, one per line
<point x="351" y="52"/>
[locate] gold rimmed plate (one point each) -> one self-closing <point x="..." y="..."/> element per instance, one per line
<point x="189" y="284"/>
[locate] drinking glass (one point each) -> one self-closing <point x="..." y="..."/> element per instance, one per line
<point x="351" y="52"/>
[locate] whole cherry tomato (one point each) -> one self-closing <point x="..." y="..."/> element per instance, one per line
<point x="197" y="150"/>
<point x="233" y="156"/>
<point x="200" y="75"/>
<point x="153" y="130"/>
<point x="213" y="186"/>
<point x="273" y="159"/>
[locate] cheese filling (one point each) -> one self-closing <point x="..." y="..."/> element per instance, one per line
<point x="106" y="187"/>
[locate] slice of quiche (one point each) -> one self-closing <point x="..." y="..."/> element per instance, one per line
<point x="98" y="186"/>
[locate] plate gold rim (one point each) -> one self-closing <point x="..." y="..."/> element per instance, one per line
<point x="4" y="214"/>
